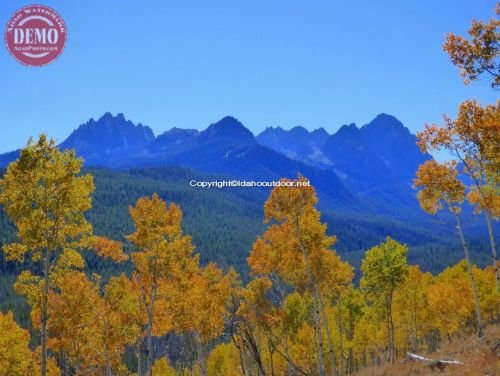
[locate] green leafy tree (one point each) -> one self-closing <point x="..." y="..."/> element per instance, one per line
<point x="384" y="269"/>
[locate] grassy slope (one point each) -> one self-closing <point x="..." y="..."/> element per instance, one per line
<point x="478" y="358"/>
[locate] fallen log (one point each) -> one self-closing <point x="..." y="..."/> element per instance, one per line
<point x="434" y="363"/>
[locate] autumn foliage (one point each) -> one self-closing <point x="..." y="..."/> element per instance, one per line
<point x="301" y="311"/>
<point x="299" y="314"/>
<point x="478" y="55"/>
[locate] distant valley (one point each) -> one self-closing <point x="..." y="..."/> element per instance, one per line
<point x="363" y="176"/>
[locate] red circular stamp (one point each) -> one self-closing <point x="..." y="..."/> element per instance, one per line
<point x="35" y="35"/>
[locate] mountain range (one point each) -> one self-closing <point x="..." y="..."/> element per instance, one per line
<point x="363" y="176"/>
<point x="362" y="169"/>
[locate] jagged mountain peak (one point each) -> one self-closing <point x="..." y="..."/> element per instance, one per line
<point x="387" y="124"/>
<point x="110" y="135"/>
<point x="176" y="130"/>
<point x="395" y="145"/>
<point x="347" y="129"/>
<point x="173" y="137"/>
<point x="347" y="136"/>
<point x="228" y="128"/>
<point x="299" y="131"/>
<point x="118" y="123"/>
<point x="320" y="132"/>
<point x="346" y="133"/>
<point x="273" y="129"/>
<point x="107" y="116"/>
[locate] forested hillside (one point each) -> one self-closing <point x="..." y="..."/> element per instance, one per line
<point x="224" y="222"/>
<point x="366" y="254"/>
<point x="297" y="311"/>
<point x="358" y="170"/>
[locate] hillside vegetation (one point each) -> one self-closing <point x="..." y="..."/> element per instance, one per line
<point x="122" y="272"/>
<point x="297" y="312"/>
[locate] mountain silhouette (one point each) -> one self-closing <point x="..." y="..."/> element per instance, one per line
<point x="362" y="169"/>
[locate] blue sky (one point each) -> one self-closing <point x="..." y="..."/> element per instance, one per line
<point x="268" y="63"/>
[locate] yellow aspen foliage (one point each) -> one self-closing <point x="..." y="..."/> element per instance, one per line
<point x="123" y="303"/>
<point x="413" y="316"/>
<point x="161" y="367"/>
<point x="35" y="367"/>
<point x="209" y="297"/>
<point x="488" y="199"/>
<point x="224" y="361"/>
<point x="476" y="131"/>
<point x="122" y="299"/>
<point x="298" y="236"/>
<point x="298" y="250"/>
<point x="300" y="313"/>
<point x="110" y="249"/>
<point x="473" y="138"/>
<point x="302" y="350"/>
<point x="205" y="306"/>
<point x="46" y="197"/>
<point x="164" y="265"/>
<point x="75" y="323"/>
<point x="440" y="187"/>
<point x="15" y="354"/>
<point x="297" y="308"/>
<point x="44" y="194"/>
<point x="384" y="269"/>
<point x="489" y="299"/>
<point x="450" y="300"/>
<point x="370" y="339"/>
<point x="251" y="323"/>
<point x="345" y="314"/>
<point x="30" y="286"/>
<point x="255" y="306"/>
<point x="91" y="331"/>
<point x="16" y="358"/>
<point x="298" y="244"/>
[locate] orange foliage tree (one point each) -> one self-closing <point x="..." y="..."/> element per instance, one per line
<point x="479" y="55"/>
<point x="440" y="188"/>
